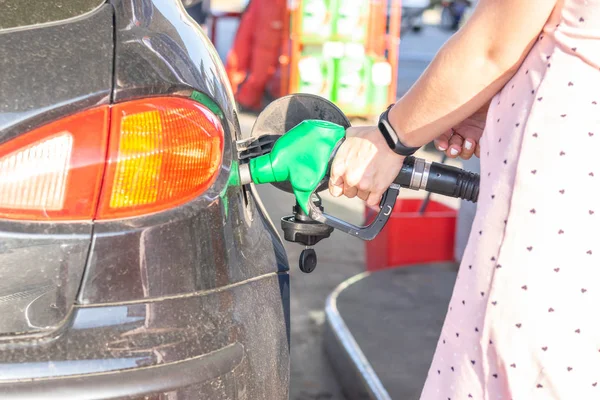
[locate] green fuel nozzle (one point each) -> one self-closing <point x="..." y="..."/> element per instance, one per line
<point x="303" y="156"/>
<point x="300" y="160"/>
<point x="300" y="157"/>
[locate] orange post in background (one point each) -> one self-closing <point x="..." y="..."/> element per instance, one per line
<point x="238" y="58"/>
<point x="377" y="29"/>
<point x="284" y="57"/>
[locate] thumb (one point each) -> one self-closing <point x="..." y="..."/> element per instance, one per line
<point x="336" y="180"/>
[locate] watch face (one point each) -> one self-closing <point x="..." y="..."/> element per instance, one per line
<point x="384" y="131"/>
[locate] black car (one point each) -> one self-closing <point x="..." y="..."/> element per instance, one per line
<point x="132" y="264"/>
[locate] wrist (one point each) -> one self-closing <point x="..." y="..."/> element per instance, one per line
<point x="394" y="119"/>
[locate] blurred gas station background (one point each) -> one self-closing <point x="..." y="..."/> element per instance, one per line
<point x="361" y="55"/>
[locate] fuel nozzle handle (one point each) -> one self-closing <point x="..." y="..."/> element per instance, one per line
<point x="303" y="155"/>
<point x="419" y="174"/>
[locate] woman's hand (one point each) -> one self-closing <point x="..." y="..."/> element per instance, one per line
<point x="364" y="166"/>
<point x="463" y="140"/>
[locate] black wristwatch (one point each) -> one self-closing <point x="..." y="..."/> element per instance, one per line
<point x="391" y="137"/>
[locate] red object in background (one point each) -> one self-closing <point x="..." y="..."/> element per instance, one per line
<point x="239" y="56"/>
<point x="411" y="238"/>
<point x="254" y="57"/>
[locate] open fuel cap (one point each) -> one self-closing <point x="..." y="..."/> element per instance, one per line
<point x="285" y="113"/>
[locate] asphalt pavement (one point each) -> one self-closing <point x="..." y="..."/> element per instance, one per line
<point x="341" y="256"/>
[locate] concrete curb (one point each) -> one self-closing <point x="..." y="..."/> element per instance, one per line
<point x="354" y="372"/>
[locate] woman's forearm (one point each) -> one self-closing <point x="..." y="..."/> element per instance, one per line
<point x="455" y="85"/>
<point x="467" y="72"/>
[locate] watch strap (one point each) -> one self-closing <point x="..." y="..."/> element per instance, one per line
<point x="391" y="136"/>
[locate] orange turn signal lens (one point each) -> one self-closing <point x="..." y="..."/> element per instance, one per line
<point x="163" y="152"/>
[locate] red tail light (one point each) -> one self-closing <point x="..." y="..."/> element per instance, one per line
<point x="55" y="172"/>
<point x="157" y="154"/>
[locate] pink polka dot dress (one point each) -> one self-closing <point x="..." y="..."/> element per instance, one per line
<point x="524" y="319"/>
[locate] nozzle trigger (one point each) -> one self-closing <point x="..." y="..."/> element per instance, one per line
<point x="369" y="232"/>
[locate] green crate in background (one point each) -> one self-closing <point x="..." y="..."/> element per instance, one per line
<point x="316" y="72"/>
<point x="351" y="19"/>
<point x="352" y="80"/>
<point x="381" y="79"/>
<point x="362" y="83"/>
<point x="317" y="20"/>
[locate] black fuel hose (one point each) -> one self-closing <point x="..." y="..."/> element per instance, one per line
<point x="419" y="174"/>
